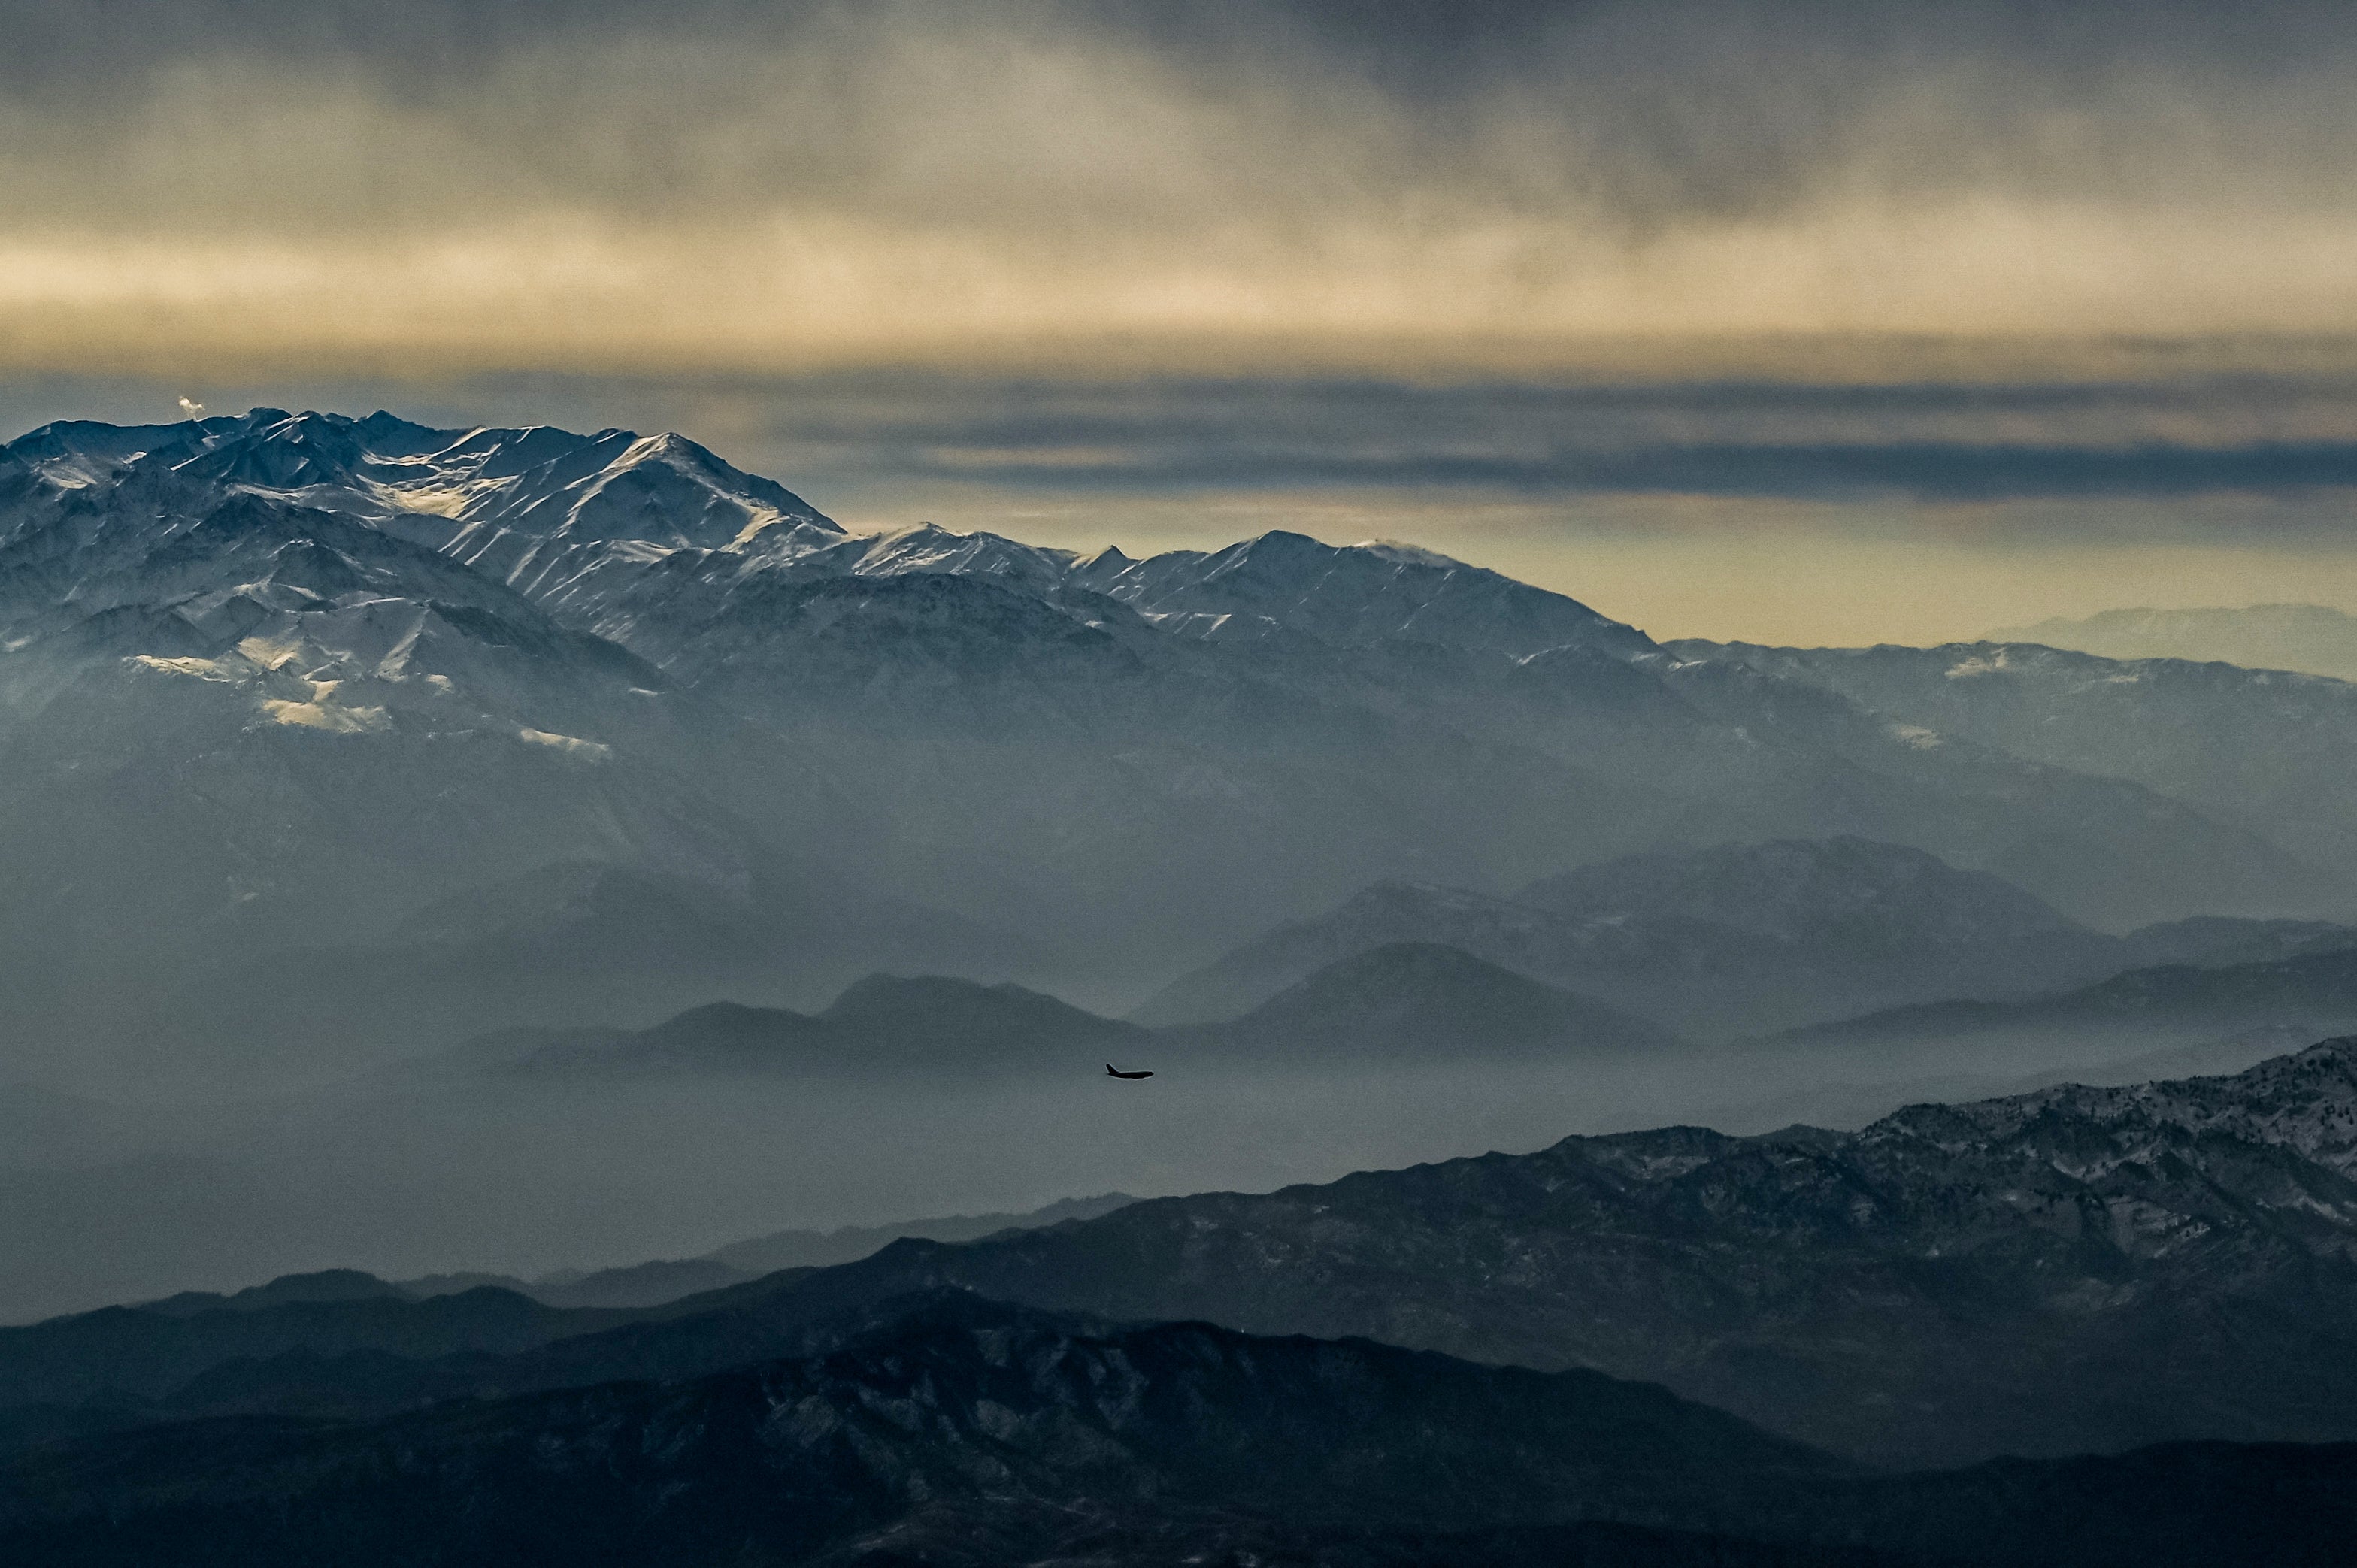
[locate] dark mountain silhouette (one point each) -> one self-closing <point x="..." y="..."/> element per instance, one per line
<point x="949" y="1428"/>
<point x="1402" y="1004"/>
<point x="882" y="1026"/>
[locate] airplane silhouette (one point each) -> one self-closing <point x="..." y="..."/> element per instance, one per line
<point x="1110" y="1073"/>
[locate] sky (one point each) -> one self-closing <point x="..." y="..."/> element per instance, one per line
<point x="1804" y="322"/>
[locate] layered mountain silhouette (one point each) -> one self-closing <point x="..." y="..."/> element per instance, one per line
<point x="1403" y="1004"/>
<point x="2074" y="1270"/>
<point x="293" y="681"/>
<point x="199" y="1349"/>
<point x="945" y="1426"/>
<point x="1719" y="939"/>
<point x="1423" y="1001"/>
<point x="883" y="1027"/>
<point x="2314" y="993"/>
<point x="948" y="1420"/>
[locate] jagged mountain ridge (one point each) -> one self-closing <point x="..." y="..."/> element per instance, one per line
<point x="300" y="701"/>
<point x="290" y="631"/>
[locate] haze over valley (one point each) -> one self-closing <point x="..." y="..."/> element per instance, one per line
<point x="514" y="849"/>
<point x="1171" y="782"/>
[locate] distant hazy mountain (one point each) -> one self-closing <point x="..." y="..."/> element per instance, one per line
<point x="884" y="1027"/>
<point x="2314" y="993"/>
<point x="2307" y="637"/>
<point x="1424" y="1001"/>
<point x="1720" y="940"/>
<point x="579" y="944"/>
<point x="657" y="1281"/>
<point x="2262" y="751"/>
<point x="1850" y="1089"/>
<point x="809" y="1249"/>
<point x="1408" y="1002"/>
<point x="132" y="1356"/>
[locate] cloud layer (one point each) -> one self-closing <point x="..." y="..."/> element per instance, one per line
<point x="1220" y="184"/>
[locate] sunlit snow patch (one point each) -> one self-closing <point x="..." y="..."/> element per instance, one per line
<point x="571" y="745"/>
<point x="202" y="669"/>
<point x="320" y="713"/>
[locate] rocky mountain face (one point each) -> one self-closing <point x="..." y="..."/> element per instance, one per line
<point x="1723" y="939"/>
<point x="288" y="682"/>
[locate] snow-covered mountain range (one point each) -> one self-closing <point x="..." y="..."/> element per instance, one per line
<point x="273" y="687"/>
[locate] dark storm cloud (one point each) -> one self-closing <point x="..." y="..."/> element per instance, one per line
<point x="1914" y="470"/>
<point x="1709" y="106"/>
<point x="1946" y="441"/>
<point x="2156" y="438"/>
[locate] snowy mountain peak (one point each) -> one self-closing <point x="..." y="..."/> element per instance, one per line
<point x="1352" y="596"/>
<point x="1412" y="556"/>
<point x="433" y="485"/>
<point x="927" y="548"/>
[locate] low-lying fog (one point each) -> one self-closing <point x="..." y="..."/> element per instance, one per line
<point x="406" y="1174"/>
